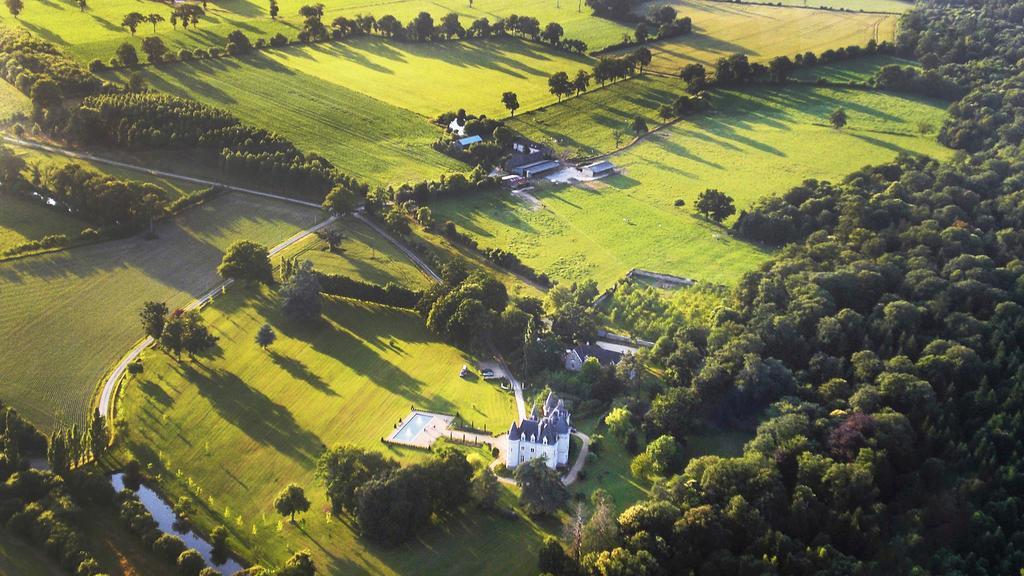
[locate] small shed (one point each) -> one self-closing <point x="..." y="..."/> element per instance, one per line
<point x="598" y="169"/>
<point x="463" y="143"/>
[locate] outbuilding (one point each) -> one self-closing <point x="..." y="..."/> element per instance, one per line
<point x="463" y="143"/>
<point x="598" y="169"/>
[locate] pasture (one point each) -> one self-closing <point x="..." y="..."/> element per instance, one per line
<point x="22" y="220"/>
<point x="67" y="316"/>
<point x="754" y="143"/>
<point x="97" y="32"/>
<point x="12" y="102"/>
<point x="366" y="105"/>
<point x="347" y="380"/>
<point x="363" y="254"/>
<point x="762" y="32"/>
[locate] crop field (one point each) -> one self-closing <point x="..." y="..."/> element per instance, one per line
<point x="897" y="6"/>
<point x="20" y="558"/>
<point x="367" y="105"/>
<point x="97" y="32"/>
<point x="762" y="32"/>
<point x="363" y="254"/>
<point x="347" y="380"/>
<point x="755" y="143"/>
<point x="66" y="317"/>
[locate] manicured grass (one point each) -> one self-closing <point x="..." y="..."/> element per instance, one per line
<point x="854" y="70"/>
<point x="363" y="254"/>
<point x="762" y="32"/>
<point x="66" y="317"/>
<point x="753" y="144"/>
<point x="244" y="422"/>
<point x="22" y="220"/>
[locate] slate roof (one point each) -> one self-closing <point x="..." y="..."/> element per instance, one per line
<point x="555" y="422"/>
<point x="605" y="357"/>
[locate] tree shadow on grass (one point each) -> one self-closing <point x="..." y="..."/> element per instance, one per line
<point x="298" y="370"/>
<point x="253" y="413"/>
<point x="154" y="392"/>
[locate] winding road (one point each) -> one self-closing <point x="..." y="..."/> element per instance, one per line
<point x="106" y="404"/>
<point x="109" y="389"/>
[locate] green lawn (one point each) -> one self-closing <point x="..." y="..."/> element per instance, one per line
<point x="366" y="105"/>
<point x="855" y="70"/>
<point x="586" y="125"/>
<point x="20" y="558"/>
<point x="97" y="33"/>
<point x="45" y="160"/>
<point x="761" y="32"/>
<point x="22" y="220"/>
<point x="752" y="144"/>
<point x="12" y="102"/>
<point x="66" y="317"/>
<point x="244" y="422"/>
<point x="363" y="254"/>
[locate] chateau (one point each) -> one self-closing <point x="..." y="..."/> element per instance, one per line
<point x="546" y="438"/>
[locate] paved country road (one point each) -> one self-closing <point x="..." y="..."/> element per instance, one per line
<point x="110" y="384"/>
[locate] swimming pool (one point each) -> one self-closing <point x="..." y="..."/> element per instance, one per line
<point x="411" y="429"/>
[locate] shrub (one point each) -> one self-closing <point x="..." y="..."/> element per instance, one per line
<point x="216" y="52"/>
<point x="97" y="65"/>
<point x="190" y="563"/>
<point x="89" y="234"/>
<point x="278" y="40"/>
<point x="200" y="54"/>
<point x="169" y="547"/>
<point x="185" y="55"/>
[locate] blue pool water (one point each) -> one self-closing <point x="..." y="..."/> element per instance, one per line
<point x="411" y="429"/>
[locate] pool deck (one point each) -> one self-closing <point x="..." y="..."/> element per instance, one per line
<point x="434" y="429"/>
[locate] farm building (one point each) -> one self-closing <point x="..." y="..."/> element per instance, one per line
<point x="524" y="153"/>
<point x="598" y="169"/>
<point x="575" y="357"/>
<point x="536" y="169"/>
<point x="463" y="143"/>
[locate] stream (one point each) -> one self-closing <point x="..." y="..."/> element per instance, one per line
<point x="164" y="516"/>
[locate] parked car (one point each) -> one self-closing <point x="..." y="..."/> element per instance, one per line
<point x="487" y="373"/>
<point x="464" y="372"/>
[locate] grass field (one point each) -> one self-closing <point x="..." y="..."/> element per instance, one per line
<point x="366" y="105"/>
<point x="762" y="32"/>
<point x="855" y="70"/>
<point x="19" y="558"/>
<point x="898" y="6"/>
<point x="12" y="102"/>
<point x="66" y="317"/>
<point x="754" y="143"/>
<point x="96" y="33"/>
<point x="363" y="254"/>
<point x="23" y="220"/>
<point x="347" y="380"/>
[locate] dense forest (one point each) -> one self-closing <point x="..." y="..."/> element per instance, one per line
<point x="881" y="351"/>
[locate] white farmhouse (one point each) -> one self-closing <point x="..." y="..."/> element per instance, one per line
<point x="546" y="438"/>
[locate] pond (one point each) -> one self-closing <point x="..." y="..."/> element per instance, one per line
<point x="164" y="516"/>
